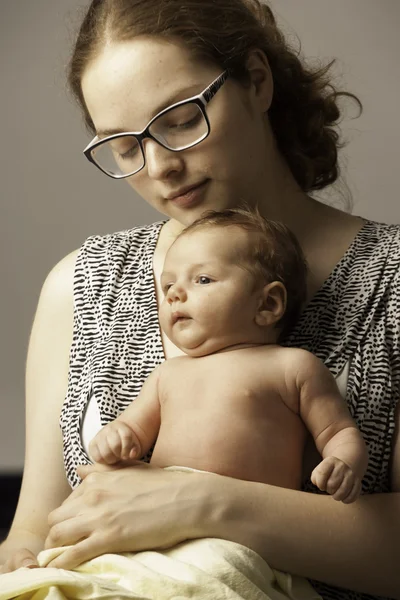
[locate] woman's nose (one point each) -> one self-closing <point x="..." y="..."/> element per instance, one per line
<point x="160" y="161"/>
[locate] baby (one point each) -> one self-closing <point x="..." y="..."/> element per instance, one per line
<point x="237" y="403"/>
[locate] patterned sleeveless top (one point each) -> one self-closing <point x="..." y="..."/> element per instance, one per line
<point x="353" y="317"/>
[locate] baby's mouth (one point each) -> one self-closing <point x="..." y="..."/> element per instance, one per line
<point x="179" y="317"/>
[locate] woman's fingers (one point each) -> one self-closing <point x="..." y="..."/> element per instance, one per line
<point x="126" y="510"/>
<point x="80" y="552"/>
<point x="67" y="532"/>
<point x="85" y="470"/>
<point x="20" y="558"/>
<point x="68" y="509"/>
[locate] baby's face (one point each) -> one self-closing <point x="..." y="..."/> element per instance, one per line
<point x="210" y="300"/>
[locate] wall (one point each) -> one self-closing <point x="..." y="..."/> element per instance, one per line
<point x="52" y="199"/>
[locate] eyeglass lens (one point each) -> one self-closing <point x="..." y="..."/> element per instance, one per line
<point x="176" y="129"/>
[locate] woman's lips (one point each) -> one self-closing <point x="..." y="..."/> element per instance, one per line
<point x="191" y="197"/>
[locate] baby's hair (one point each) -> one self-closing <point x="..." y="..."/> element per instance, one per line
<point x="273" y="254"/>
<point x="304" y="110"/>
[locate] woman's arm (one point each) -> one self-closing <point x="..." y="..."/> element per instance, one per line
<point x="351" y="546"/>
<point x="44" y="485"/>
<point x="138" y="508"/>
<point x="142" y="507"/>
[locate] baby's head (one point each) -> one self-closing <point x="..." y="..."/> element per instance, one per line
<point x="231" y="278"/>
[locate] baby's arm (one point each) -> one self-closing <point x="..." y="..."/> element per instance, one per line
<point x="134" y="431"/>
<point x="337" y="438"/>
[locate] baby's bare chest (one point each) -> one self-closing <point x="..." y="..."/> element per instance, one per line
<point x="227" y="387"/>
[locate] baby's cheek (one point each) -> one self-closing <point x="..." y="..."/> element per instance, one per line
<point x="162" y="315"/>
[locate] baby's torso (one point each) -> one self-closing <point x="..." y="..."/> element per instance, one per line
<point x="231" y="413"/>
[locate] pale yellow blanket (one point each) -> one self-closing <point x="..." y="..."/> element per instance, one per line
<point x="207" y="568"/>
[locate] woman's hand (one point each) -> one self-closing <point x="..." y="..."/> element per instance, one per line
<point x="20" y="558"/>
<point x="129" y="508"/>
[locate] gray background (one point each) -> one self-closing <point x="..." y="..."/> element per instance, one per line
<point x="51" y="199"/>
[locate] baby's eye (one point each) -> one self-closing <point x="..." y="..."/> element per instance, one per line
<point x="166" y="287"/>
<point x="204" y="280"/>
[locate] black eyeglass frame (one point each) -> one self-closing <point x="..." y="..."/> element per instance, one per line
<point x="201" y="100"/>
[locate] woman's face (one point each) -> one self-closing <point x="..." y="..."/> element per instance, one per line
<point x="130" y="82"/>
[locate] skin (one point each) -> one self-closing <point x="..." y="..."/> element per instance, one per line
<point x="236" y="387"/>
<point x="144" y="507"/>
<point x="228" y="308"/>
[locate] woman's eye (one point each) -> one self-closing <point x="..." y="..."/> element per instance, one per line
<point x="124" y="149"/>
<point x="185" y="124"/>
<point x="129" y="154"/>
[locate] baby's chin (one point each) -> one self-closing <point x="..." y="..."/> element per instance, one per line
<point x="195" y="347"/>
<point x="206" y="348"/>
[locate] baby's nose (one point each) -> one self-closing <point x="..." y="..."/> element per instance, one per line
<point x="176" y="293"/>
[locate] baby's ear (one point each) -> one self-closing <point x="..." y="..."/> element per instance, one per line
<point x="272" y="304"/>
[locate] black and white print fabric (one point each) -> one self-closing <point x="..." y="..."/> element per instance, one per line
<point x="354" y="317"/>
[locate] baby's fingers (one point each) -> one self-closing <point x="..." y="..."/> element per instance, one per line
<point x="321" y="474"/>
<point x="94" y="451"/>
<point x="341" y="485"/>
<point x="103" y="449"/>
<point x="354" y="492"/>
<point x="128" y="443"/>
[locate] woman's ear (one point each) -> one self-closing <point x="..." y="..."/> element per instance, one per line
<point x="272" y="304"/>
<point x="261" y="77"/>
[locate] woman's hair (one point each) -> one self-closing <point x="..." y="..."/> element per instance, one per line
<point x="304" y="109"/>
<point x="272" y="254"/>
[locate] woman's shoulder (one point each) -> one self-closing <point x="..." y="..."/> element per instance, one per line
<point x="113" y="244"/>
<point x="379" y="237"/>
<point x="126" y="235"/>
<point x="104" y="256"/>
<point x="95" y="251"/>
<point x="59" y="281"/>
<point x="371" y="261"/>
<point x="360" y="297"/>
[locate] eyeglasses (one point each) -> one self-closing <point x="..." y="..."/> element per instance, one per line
<point x="178" y="127"/>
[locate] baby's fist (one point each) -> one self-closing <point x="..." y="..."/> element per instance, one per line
<point x="334" y="476"/>
<point x="115" y="442"/>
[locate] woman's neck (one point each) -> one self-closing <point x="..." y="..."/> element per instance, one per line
<point x="324" y="232"/>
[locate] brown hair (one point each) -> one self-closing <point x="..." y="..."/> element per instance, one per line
<point x="304" y="110"/>
<point x="273" y="254"/>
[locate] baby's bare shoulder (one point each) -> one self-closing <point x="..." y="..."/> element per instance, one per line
<point x="293" y="363"/>
<point x="303" y="367"/>
<point x="294" y="356"/>
<point x="171" y="365"/>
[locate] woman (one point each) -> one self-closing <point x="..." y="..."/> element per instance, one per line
<point x="259" y="128"/>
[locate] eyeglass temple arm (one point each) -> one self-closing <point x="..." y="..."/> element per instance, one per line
<point x="214" y="86"/>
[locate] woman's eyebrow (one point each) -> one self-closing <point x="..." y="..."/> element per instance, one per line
<point x="182" y="94"/>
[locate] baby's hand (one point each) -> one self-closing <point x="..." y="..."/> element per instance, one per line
<point x="115" y="442"/>
<point x="332" y="475"/>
